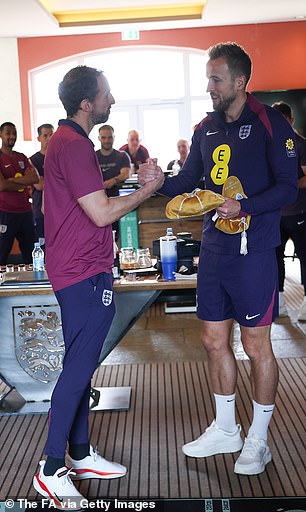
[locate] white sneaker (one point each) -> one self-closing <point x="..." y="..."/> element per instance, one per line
<point x="59" y="489"/>
<point x="94" y="466"/>
<point x="254" y="456"/>
<point x="213" y="441"/>
<point x="302" y="311"/>
<point x="282" y="308"/>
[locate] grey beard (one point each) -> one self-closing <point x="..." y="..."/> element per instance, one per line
<point x="99" y="118"/>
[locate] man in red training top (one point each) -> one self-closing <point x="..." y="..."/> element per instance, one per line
<point x="16" y="176"/>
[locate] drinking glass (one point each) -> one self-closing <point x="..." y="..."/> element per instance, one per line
<point x="128" y="258"/>
<point x="144" y="258"/>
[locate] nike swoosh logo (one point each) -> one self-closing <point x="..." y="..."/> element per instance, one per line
<point x="7" y="165"/>
<point x="269" y="410"/>
<point x="232" y="400"/>
<point x="211" y="133"/>
<point x="301" y="222"/>
<point x="248" y="317"/>
<point x="58" y="498"/>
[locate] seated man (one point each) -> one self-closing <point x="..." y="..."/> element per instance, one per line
<point x="137" y="153"/>
<point x="183" y="150"/>
<point x="115" y="165"/>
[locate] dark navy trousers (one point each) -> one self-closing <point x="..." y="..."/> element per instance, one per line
<point x="87" y="310"/>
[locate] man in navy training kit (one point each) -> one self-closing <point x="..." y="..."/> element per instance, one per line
<point x="79" y="261"/>
<point x="293" y="220"/>
<point x="249" y="140"/>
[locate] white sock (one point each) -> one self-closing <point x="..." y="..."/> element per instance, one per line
<point x="262" y="415"/>
<point x="281" y="299"/>
<point x="225" y="412"/>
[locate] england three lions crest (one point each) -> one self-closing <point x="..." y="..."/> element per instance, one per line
<point x="39" y="343"/>
<point x="107" y="297"/>
<point x="245" y="131"/>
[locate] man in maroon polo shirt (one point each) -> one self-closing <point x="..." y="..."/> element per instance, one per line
<point x="79" y="260"/>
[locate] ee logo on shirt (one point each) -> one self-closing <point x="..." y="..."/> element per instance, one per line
<point x="221" y="156"/>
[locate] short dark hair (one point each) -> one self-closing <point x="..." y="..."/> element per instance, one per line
<point x="42" y="126"/>
<point x="284" y="108"/>
<point x="238" y="61"/>
<point x="7" y="123"/>
<point x="106" y="127"/>
<point x="78" y="84"/>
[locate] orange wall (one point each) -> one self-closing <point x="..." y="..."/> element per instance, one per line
<point x="277" y="50"/>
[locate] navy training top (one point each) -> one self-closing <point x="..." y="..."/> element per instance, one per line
<point x="259" y="148"/>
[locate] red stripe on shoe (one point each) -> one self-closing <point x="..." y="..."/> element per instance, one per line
<point x="104" y="473"/>
<point x="45" y="488"/>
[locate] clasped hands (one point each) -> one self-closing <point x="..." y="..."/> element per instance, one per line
<point x="150" y="172"/>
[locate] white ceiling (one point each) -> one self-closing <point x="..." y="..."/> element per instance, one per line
<point x="27" y="18"/>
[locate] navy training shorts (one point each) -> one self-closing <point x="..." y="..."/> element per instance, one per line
<point x="244" y="288"/>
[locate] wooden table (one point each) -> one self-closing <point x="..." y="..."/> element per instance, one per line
<point x="31" y="342"/>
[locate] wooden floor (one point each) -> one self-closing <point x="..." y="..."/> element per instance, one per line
<point x="171" y="404"/>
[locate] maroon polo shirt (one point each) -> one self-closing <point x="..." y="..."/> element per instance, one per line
<point x="76" y="248"/>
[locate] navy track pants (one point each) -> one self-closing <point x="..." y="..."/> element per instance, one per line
<point x="87" y="310"/>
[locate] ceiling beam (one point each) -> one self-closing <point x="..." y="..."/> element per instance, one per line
<point x="130" y="15"/>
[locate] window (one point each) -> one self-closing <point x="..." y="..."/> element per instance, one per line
<point x="159" y="91"/>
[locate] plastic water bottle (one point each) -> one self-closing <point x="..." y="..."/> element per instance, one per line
<point x="168" y="255"/>
<point x="175" y="168"/>
<point x="116" y="267"/>
<point x="38" y="257"/>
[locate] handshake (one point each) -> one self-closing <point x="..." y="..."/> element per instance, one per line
<point x="150" y="171"/>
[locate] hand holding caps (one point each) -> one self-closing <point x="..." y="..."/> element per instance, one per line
<point x="232" y="188"/>
<point x="194" y="204"/>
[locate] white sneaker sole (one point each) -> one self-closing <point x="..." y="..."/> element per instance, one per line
<point x="232" y="447"/>
<point x="53" y="501"/>
<point x="253" y="469"/>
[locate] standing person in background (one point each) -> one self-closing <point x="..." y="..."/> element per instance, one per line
<point x="293" y="220"/>
<point x="183" y="150"/>
<point x="45" y="131"/>
<point x="79" y="261"/>
<point x="115" y="165"/>
<point x="137" y="153"/>
<point x="16" y="176"/>
<point x="238" y="281"/>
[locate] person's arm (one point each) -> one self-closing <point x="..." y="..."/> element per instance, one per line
<point x="103" y="210"/>
<point x="7" y="184"/>
<point x="124" y="174"/>
<point x="282" y="156"/>
<point x="302" y="158"/>
<point x="29" y="177"/>
<point x="40" y="184"/>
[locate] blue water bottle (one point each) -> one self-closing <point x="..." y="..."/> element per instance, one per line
<point x="168" y="255"/>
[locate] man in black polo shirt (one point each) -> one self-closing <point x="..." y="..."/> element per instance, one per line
<point x="45" y="131"/>
<point x="115" y="165"/>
